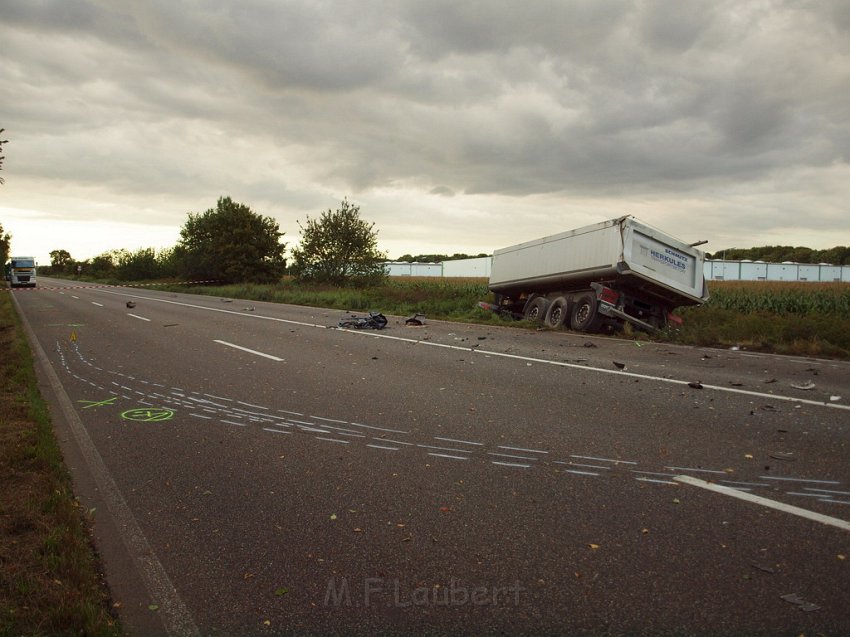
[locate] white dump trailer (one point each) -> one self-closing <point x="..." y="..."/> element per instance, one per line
<point x="602" y="274"/>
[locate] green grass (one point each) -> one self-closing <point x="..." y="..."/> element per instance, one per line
<point x="49" y="577"/>
<point x="810" y="319"/>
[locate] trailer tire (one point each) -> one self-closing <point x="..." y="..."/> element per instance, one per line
<point x="536" y="309"/>
<point x="558" y="313"/>
<point x="585" y="315"/>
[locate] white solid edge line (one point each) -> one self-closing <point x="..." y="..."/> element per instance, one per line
<point x="757" y="499"/>
<point x="141" y="318"/>
<point x="175" y="616"/>
<point x="660" y="379"/>
<point x="250" y="351"/>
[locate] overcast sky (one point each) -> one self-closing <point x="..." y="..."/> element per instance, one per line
<point x="456" y="126"/>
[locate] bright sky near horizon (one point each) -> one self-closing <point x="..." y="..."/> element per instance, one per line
<point x="455" y="126"/>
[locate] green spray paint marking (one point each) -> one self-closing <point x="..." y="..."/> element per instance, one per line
<point x="98" y="403"/>
<point x="148" y="415"/>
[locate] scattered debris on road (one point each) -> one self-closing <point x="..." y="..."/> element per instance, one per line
<point x="374" y="321"/>
<point x="131" y="304"/>
<point x="695" y="385"/>
<point x="619" y="365"/>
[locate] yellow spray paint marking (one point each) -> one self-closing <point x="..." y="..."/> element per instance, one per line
<point x="148" y="414"/>
<point x="73" y="336"/>
<point x="98" y="403"/>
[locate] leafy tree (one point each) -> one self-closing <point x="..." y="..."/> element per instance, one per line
<point x="101" y="266"/>
<point x="231" y="243"/>
<point x="339" y="248"/>
<point x="60" y="261"/>
<point x="5" y="244"/>
<point x="138" y="265"/>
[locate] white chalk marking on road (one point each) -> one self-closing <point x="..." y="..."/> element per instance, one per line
<point x="463" y="442"/>
<point x="443" y="448"/>
<point x="239" y="402"/>
<point x="342" y="442"/>
<point x="141" y="318"/>
<point x="338" y="432"/>
<point x="715" y="471"/>
<point x="757" y="499"/>
<point x="396" y="442"/>
<point x="826" y="491"/>
<point x="313" y="430"/>
<point x="383" y="447"/>
<point x="300" y="422"/>
<point x="201" y="416"/>
<point x="805" y="495"/>
<point x="98" y="304"/>
<point x="293" y="413"/>
<point x="510" y="455"/>
<point x="276" y="431"/>
<point x="392" y="431"/>
<point x="799" y="480"/>
<point x="603" y="459"/>
<point x="580" y="464"/>
<point x="445" y="455"/>
<point x="341" y="422"/>
<point x="511" y="464"/>
<point x="250" y="351"/>
<point x="521" y="449"/>
<point x="657" y="481"/>
<point x="834" y="501"/>
<point x="349" y="431"/>
<point x="230" y="400"/>
<point x="745" y="484"/>
<point x="581" y="473"/>
<point x="230" y="422"/>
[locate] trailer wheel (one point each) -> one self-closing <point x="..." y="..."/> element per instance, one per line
<point x="585" y="317"/>
<point x="536" y="309"/>
<point x="558" y="313"/>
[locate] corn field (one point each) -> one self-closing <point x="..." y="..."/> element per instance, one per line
<point x="779" y="297"/>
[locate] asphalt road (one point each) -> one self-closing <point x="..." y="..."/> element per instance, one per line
<point x="255" y="471"/>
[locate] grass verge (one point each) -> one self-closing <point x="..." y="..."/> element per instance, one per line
<point x="49" y="578"/>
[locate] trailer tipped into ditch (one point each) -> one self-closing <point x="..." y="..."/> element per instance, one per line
<point x="600" y="275"/>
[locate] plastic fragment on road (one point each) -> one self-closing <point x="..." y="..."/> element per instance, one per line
<point x="802" y="604"/>
<point x="695" y="385"/>
<point x="834" y="398"/>
<point x="131" y="304"/>
<point x="619" y="365"/>
<point x="804" y="386"/>
<point x="782" y="455"/>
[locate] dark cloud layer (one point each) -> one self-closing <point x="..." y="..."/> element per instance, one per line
<point x="604" y="104"/>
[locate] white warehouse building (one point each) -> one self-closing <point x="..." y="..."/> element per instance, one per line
<point x="714" y="270"/>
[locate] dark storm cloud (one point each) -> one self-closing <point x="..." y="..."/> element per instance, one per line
<point x="290" y="101"/>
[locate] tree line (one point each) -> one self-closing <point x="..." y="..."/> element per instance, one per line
<point x="839" y="255"/>
<point x="232" y="244"/>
